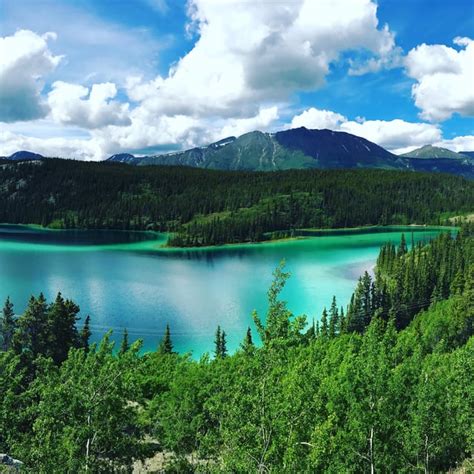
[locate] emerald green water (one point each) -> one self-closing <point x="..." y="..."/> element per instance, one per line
<point x="125" y="280"/>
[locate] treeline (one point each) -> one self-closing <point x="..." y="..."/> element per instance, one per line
<point x="204" y="207"/>
<point x="389" y="395"/>
<point x="407" y="282"/>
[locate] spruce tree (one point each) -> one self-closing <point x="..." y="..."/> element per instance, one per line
<point x="124" y="345"/>
<point x="32" y="335"/>
<point x="324" y="324"/>
<point x="62" y="332"/>
<point x="402" y="249"/>
<point x="333" y="319"/>
<point x="223" y="344"/>
<point x="247" y="345"/>
<point x="85" y="334"/>
<point x="220" y="343"/>
<point x="7" y="326"/>
<point x="217" y="342"/>
<point x="166" y="345"/>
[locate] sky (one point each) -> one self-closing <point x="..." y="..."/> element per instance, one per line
<point x="86" y="79"/>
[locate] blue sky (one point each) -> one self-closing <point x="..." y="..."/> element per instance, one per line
<point x="92" y="78"/>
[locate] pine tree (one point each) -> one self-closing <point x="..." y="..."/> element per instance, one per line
<point x="166" y="345"/>
<point x="32" y="335"/>
<point x="342" y="321"/>
<point x="402" y="249"/>
<point x="220" y="343"/>
<point x="124" y="345"/>
<point x="247" y="345"/>
<point x="217" y="342"/>
<point x="223" y="344"/>
<point x="62" y="332"/>
<point x="85" y="334"/>
<point x="7" y="326"/>
<point x="333" y="319"/>
<point x="324" y="324"/>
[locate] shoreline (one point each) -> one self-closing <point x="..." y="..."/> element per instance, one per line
<point x="315" y="233"/>
<point x="159" y="244"/>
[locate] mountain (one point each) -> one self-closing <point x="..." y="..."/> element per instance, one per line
<point x="25" y="156"/>
<point x="432" y="152"/>
<point x="442" y="160"/>
<point x="289" y="149"/>
<point x="124" y="158"/>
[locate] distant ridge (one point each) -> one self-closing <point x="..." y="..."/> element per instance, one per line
<point x="124" y="158"/>
<point x="437" y="159"/>
<point x="432" y="152"/>
<point x="24" y="155"/>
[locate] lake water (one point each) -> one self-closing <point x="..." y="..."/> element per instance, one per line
<point x="124" y="280"/>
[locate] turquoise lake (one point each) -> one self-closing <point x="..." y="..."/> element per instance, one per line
<point x="124" y="280"/>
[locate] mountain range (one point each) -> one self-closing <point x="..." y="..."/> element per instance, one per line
<point x="303" y="148"/>
<point x="298" y="148"/>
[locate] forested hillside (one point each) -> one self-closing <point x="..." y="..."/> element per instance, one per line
<point x="385" y="386"/>
<point x="212" y="207"/>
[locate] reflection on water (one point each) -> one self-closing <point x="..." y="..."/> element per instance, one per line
<point x="17" y="233"/>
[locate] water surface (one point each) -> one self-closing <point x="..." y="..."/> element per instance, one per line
<point x="124" y="279"/>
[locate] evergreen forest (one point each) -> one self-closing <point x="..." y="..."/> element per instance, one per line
<point x="207" y="207"/>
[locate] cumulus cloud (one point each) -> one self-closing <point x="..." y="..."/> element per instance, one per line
<point x="238" y="127"/>
<point x="64" y="147"/>
<point x="25" y="59"/>
<point x="395" y="135"/>
<point x="144" y="133"/>
<point x="254" y="52"/>
<point x="316" y="118"/>
<point x="461" y="143"/>
<point x="444" y="78"/>
<point x="89" y="108"/>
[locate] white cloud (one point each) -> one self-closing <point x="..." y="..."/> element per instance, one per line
<point x="238" y="127"/>
<point x="395" y="135"/>
<point x="144" y="133"/>
<point x="25" y="59"/>
<point x="390" y="60"/>
<point x="249" y="53"/>
<point x="89" y="108"/>
<point x="461" y="143"/>
<point x="445" y="78"/>
<point x="81" y="149"/>
<point x="316" y="118"/>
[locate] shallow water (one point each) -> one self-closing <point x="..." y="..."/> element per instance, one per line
<point x="124" y="279"/>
